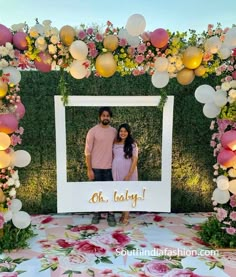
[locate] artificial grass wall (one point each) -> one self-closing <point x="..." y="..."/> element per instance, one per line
<point x="192" y="158"/>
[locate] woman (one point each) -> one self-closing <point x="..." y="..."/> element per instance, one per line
<point x="125" y="157"/>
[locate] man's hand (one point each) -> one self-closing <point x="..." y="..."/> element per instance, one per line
<point x="90" y="174"/>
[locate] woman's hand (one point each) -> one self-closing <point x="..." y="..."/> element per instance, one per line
<point x="127" y="177"/>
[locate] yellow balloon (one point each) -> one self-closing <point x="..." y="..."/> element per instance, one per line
<point x="2" y="196"/>
<point x="185" y="76"/>
<point x="110" y="42"/>
<point x="5" y="159"/>
<point x="3" y="88"/>
<point x="106" y="65"/>
<point x="67" y="35"/>
<point x="5" y="141"/>
<point x="192" y="57"/>
<point x="200" y="71"/>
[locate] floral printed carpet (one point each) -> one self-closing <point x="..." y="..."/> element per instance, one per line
<point x="162" y="244"/>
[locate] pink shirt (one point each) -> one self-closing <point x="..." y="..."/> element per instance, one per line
<point x="99" y="143"/>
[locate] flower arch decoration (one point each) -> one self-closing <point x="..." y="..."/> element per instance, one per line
<point x="129" y="50"/>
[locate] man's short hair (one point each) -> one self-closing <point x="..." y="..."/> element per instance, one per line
<point x="103" y="109"/>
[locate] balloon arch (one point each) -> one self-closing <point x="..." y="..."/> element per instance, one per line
<point x="84" y="51"/>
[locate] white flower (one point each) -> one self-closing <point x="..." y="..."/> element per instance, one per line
<point x="3" y="63"/>
<point x="54" y="31"/>
<point x="12" y="192"/>
<point x="34" y="32"/>
<point x="54" y="39"/>
<point x="232" y="96"/>
<point x="232" y="172"/>
<point x="9" y="46"/>
<point x="18" y="27"/>
<point x="52" y="49"/>
<point x="3" y="51"/>
<point x="47" y="22"/>
<point x="225" y="86"/>
<point x="10" y="182"/>
<point x="17" y="183"/>
<point x="15" y="175"/>
<point x="233" y="83"/>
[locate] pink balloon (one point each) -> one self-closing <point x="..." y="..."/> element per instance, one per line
<point x="159" y="38"/>
<point x="5" y="35"/>
<point x="228" y="140"/>
<point x="20" y="110"/>
<point x="44" y="65"/>
<point x="8" y="123"/>
<point x="19" y="40"/>
<point x="234" y="75"/>
<point x="226" y="158"/>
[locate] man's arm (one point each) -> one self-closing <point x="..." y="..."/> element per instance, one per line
<point x="90" y="172"/>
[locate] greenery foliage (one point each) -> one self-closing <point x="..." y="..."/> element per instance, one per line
<point x="13" y="238"/>
<point x="212" y="233"/>
<point x="192" y="157"/>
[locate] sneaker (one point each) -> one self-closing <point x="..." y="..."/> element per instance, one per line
<point x="96" y="218"/>
<point x="111" y="220"/>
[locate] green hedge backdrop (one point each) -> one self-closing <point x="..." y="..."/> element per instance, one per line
<point x="192" y="157"/>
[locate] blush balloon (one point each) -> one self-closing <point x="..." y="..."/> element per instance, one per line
<point x="159" y="38"/>
<point x="44" y="64"/>
<point x="228" y="140"/>
<point x="8" y="123"/>
<point x="20" y="110"/>
<point x="19" y="40"/>
<point x="5" y="35"/>
<point x="226" y="158"/>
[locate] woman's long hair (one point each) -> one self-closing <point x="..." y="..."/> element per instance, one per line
<point x="129" y="141"/>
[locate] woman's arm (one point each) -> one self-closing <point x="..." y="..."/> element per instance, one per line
<point x="132" y="168"/>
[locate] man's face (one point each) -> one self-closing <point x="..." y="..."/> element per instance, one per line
<point x="105" y="118"/>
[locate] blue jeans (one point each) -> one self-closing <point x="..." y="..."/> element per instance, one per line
<point x="102" y="174"/>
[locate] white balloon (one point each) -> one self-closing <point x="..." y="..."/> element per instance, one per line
<point x="15" y="75"/>
<point x="16" y="205"/>
<point x="221" y="196"/>
<point x="222" y="182"/>
<point x="161" y="64"/>
<point x="210" y="110"/>
<point x="220" y="98"/>
<point x="136" y="24"/>
<point x="78" y="70"/>
<point x="160" y="79"/>
<point x="131" y="40"/>
<point x="230" y="38"/>
<point x="79" y="50"/>
<point x="224" y="52"/>
<point x="213" y="44"/>
<point x="7" y="215"/>
<point x="20" y="158"/>
<point x="21" y="220"/>
<point x="204" y="94"/>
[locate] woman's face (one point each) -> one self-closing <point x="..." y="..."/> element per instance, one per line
<point x="123" y="134"/>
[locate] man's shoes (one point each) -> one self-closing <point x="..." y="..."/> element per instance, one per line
<point x="96" y="218"/>
<point x="111" y="220"/>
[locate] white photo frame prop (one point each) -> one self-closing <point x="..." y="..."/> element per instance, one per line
<point x="149" y="196"/>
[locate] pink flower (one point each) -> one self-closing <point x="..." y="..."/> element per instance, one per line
<point x="177" y="272"/>
<point x="233" y="215"/>
<point x="82" y="35"/>
<point x="231" y="230"/>
<point x="87" y="247"/>
<point x="1" y="220"/>
<point x="121" y="238"/>
<point x="122" y="42"/>
<point x="139" y="59"/>
<point x="47" y="220"/>
<point x="157" y="218"/>
<point x="198" y="240"/>
<point x="90" y="228"/>
<point x="156" y="268"/>
<point x="64" y="244"/>
<point x="99" y="37"/>
<point x="89" y="31"/>
<point x="221" y="214"/>
<point x="233" y="201"/>
<point x="142" y="48"/>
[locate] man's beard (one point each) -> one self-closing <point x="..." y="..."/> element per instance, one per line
<point x="105" y="122"/>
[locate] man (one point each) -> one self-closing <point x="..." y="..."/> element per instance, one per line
<point x="98" y="153"/>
